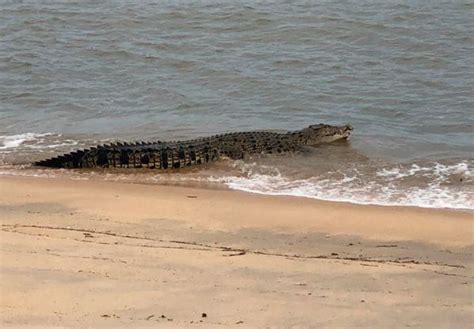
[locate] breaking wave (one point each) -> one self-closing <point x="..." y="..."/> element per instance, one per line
<point x="11" y="143"/>
<point x="428" y="184"/>
<point x="434" y="185"/>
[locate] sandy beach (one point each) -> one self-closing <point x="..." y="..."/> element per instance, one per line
<point x="257" y="164"/>
<point x="107" y="254"/>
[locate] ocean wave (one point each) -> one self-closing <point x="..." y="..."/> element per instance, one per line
<point x="443" y="187"/>
<point x="10" y="143"/>
<point x="437" y="171"/>
<point x="13" y="141"/>
<point x="426" y="185"/>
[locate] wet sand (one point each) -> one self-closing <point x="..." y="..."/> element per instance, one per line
<point x="83" y="253"/>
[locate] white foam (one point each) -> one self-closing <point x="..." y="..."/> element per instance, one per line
<point x="437" y="171"/>
<point x="360" y="190"/>
<point x="11" y="143"/>
<point x="432" y="185"/>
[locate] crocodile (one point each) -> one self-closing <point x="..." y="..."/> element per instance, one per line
<point x="181" y="154"/>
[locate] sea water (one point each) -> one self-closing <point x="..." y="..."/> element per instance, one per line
<point x="77" y="73"/>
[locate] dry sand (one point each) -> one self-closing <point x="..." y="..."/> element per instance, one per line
<point x="100" y="254"/>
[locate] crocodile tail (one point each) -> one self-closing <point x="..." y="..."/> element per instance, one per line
<point x="56" y="162"/>
<point x="52" y="163"/>
<point x="70" y="160"/>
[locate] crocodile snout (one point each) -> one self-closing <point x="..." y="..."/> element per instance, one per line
<point x="347" y="131"/>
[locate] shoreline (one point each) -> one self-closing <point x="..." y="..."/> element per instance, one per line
<point x="98" y="253"/>
<point x="392" y="215"/>
<point x="136" y="177"/>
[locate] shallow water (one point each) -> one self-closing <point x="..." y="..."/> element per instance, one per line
<point x="76" y="73"/>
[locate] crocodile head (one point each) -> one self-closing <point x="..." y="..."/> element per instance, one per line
<point x="322" y="133"/>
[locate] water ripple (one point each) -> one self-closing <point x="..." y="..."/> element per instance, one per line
<point x="392" y="70"/>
